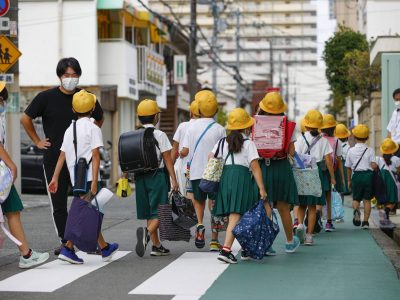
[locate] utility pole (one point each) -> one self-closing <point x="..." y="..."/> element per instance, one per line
<point x="192" y="50"/>
<point x="214" y="9"/>
<point x="271" y="59"/>
<point x="238" y="93"/>
<point x="287" y="85"/>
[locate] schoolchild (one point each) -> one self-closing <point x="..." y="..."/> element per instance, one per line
<point x="88" y="141"/>
<point x="313" y="144"/>
<point x="199" y="140"/>
<point x="360" y="162"/>
<point x="342" y="133"/>
<point x="328" y="129"/>
<point x="181" y="163"/>
<point x="236" y="193"/>
<point x="389" y="164"/>
<point x="152" y="188"/>
<point x="13" y="206"/>
<point x="296" y="207"/>
<point x="278" y="175"/>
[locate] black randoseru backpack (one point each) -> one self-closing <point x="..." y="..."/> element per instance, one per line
<point x="137" y="151"/>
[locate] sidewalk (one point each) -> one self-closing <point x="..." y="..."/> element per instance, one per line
<point x="347" y="264"/>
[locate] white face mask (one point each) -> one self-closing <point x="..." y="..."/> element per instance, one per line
<point x="70" y="83"/>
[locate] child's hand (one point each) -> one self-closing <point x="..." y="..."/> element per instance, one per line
<point x="349" y="184"/>
<point x="93" y="188"/>
<point x="53" y="186"/>
<point x="263" y="195"/>
<point x="333" y="181"/>
<point x="175" y="185"/>
<point x="14" y="173"/>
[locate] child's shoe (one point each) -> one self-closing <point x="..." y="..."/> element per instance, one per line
<point x="292" y="247"/>
<point x="356" y="217"/>
<point x="270" y="252"/>
<point x="300" y="233"/>
<point x="215" y="246"/>
<point x="227" y="257"/>
<point x="365" y="225"/>
<point x="142" y="236"/>
<point x="35" y="259"/>
<point x="244" y="255"/>
<point x="309" y="240"/>
<point x="295" y="224"/>
<point x="159" y="251"/>
<point x="329" y="227"/>
<point x="70" y="256"/>
<point x="199" y="240"/>
<point x="108" y="252"/>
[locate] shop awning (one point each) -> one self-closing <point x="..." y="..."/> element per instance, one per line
<point x="110" y="4"/>
<point x="158" y="30"/>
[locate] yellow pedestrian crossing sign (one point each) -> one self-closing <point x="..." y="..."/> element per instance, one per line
<point x="9" y="54"/>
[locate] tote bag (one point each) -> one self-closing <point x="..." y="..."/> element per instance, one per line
<point x="169" y="231"/>
<point x="307" y="180"/>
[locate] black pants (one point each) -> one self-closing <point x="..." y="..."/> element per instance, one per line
<point x="59" y="199"/>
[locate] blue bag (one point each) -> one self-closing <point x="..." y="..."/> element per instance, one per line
<point x="83" y="224"/>
<point x="336" y="206"/>
<point x="256" y="232"/>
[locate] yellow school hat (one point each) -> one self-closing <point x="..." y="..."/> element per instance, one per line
<point x="389" y="146"/>
<point x="2" y="85"/>
<point x="83" y="101"/>
<point x="328" y="121"/>
<point x="239" y="119"/>
<point x="208" y="105"/>
<point x="147" y="108"/>
<point x="313" y="119"/>
<point x="341" y="131"/>
<point x="361" y="131"/>
<point x="194" y="108"/>
<point x="273" y="103"/>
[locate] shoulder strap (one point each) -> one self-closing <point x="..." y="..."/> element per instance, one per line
<point x="304" y="137"/>
<point x="220" y="147"/>
<point x="313" y="143"/>
<point x="355" y="168"/>
<point x="75" y="142"/>
<point x="200" y="138"/>
<point x="299" y="161"/>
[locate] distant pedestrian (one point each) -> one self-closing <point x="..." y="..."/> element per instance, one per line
<point x="360" y="163"/>
<point x="198" y="142"/>
<point x="313" y="144"/>
<point x="393" y="127"/>
<point x="13" y="206"/>
<point x="88" y="139"/>
<point x="236" y="193"/>
<point x="343" y="134"/>
<point x="389" y="165"/>
<point x="54" y="106"/>
<point x="152" y="188"/>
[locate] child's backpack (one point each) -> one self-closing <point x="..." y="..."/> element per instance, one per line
<point x="272" y="134"/>
<point x="137" y="151"/>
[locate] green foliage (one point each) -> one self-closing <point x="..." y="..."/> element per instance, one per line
<point x="222" y="116"/>
<point x="344" y="41"/>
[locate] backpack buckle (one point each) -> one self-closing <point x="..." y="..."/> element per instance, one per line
<point x="267" y="162"/>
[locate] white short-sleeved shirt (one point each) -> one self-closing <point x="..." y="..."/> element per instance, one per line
<point x="393" y="166"/>
<point x="89" y="137"/>
<point x="163" y="142"/>
<point x="354" y="155"/>
<point x="394" y="126"/>
<point x="345" y="148"/>
<point x="243" y="158"/>
<point x="207" y="143"/>
<point x="181" y="131"/>
<point x="318" y="151"/>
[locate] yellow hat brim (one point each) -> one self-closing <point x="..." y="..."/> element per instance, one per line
<point x="310" y="125"/>
<point x="2" y="85"/>
<point x="282" y="110"/>
<point x="343" y="136"/>
<point x="390" y="152"/>
<point x="243" y="126"/>
<point x="328" y="126"/>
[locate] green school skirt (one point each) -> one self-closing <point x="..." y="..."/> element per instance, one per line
<point x="151" y="190"/>
<point x="326" y="186"/>
<point x="362" y="185"/>
<point x="236" y="192"/>
<point x="279" y="181"/>
<point x="13" y="202"/>
<point x="391" y="188"/>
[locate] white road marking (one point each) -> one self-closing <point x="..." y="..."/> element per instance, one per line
<point x="56" y="274"/>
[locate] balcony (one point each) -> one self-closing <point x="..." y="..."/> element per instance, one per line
<point x="151" y="71"/>
<point x="118" y="66"/>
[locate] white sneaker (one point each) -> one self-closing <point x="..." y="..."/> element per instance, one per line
<point x="300" y="231"/>
<point x="309" y="240"/>
<point x="36" y="258"/>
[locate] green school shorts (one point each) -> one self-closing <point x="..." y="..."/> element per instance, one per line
<point x="13" y="202"/>
<point x="199" y="195"/>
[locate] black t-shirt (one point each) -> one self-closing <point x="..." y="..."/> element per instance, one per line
<point x="55" y="108"/>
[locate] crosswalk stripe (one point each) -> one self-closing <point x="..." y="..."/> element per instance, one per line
<point x="188" y="277"/>
<point x="54" y="275"/>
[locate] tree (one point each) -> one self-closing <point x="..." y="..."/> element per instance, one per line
<point x="364" y="77"/>
<point x="344" y="41"/>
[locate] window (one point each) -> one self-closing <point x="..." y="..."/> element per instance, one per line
<point x="109" y="24"/>
<point x="141" y="36"/>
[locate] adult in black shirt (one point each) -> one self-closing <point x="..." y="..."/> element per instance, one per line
<point x="55" y="108"/>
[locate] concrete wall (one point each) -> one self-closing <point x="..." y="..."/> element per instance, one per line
<point x="48" y="32"/>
